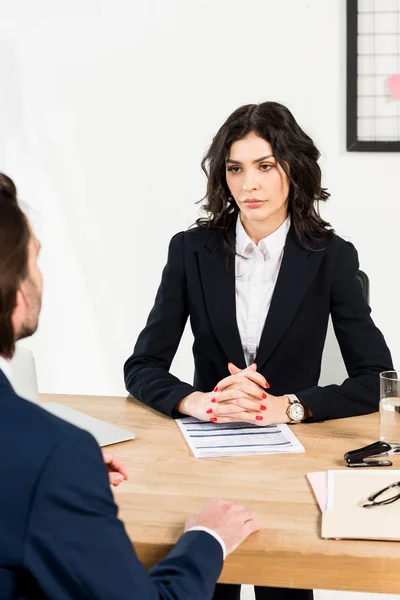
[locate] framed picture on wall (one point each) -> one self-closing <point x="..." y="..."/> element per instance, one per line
<point x="373" y="75"/>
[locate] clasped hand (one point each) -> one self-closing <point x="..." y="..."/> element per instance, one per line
<point x="241" y="397"/>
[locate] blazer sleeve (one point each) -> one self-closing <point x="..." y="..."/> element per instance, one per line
<point x="146" y="372"/>
<point x="362" y="345"/>
<point x="76" y="547"/>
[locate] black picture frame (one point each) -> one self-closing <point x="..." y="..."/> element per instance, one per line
<point x="353" y="144"/>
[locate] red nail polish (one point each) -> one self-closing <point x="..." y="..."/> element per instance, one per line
<point x="258" y="417"/>
<point x="264" y="396"/>
<point x="213" y="419"/>
<point x="267" y="386"/>
<point x="262" y="407"/>
<point x="213" y="400"/>
<point x="209" y="411"/>
<point x="216" y="389"/>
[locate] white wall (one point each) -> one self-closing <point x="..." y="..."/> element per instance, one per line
<point x="105" y="111"/>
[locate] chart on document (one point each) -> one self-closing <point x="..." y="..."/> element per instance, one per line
<point x="237" y="439"/>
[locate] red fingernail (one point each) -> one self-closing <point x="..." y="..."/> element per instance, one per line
<point x="213" y="419"/>
<point x="267" y="386"/>
<point x="216" y="389"/>
<point x="264" y="396"/>
<point x="209" y="411"/>
<point x="262" y="407"/>
<point x="258" y="417"/>
<point x="213" y="400"/>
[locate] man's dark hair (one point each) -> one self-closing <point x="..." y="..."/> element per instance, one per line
<point x="14" y="241"/>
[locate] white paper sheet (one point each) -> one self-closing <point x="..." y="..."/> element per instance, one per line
<point x="237" y="439"/>
<point x="319" y="484"/>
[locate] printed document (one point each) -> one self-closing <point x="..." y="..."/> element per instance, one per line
<point x="237" y="439"/>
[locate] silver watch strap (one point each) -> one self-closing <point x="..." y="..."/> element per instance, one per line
<point x="292" y="398"/>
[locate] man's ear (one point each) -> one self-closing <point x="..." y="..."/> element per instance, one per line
<point x="19" y="312"/>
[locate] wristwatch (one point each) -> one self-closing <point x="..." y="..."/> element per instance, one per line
<point x="295" y="410"/>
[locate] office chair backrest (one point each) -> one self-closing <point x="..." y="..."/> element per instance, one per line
<point x="23" y="374"/>
<point x="333" y="369"/>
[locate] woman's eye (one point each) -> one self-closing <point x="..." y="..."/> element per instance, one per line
<point x="265" y="167"/>
<point x="234" y="169"/>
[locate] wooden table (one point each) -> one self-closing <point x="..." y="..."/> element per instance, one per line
<point x="166" y="483"/>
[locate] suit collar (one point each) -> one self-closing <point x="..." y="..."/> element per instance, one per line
<point x="217" y="271"/>
<point x="5" y="366"/>
<point x="298" y="270"/>
<point x="5" y="382"/>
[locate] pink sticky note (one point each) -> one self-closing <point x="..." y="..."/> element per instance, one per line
<point x="319" y="484"/>
<point x="394" y="86"/>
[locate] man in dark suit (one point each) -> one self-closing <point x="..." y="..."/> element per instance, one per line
<point x="60" y="536"/>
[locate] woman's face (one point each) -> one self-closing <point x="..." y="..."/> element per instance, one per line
<point x="256" y="181"/>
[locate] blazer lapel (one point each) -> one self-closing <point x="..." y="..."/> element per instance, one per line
<point x="298" y="269"/>
<point x="217" y="273"/>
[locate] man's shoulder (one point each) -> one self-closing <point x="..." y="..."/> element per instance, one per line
<point x="29" y="434"/>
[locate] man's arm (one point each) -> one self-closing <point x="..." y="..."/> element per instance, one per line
<point x="76" y="547"/>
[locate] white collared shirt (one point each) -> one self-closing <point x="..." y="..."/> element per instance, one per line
<point x="257" y="268"/>
<point x="5" y="367"/>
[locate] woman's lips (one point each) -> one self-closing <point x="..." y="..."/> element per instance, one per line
<point x="253" y="202"/>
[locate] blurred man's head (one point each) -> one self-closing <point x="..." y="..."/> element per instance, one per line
<point x="20" y="277"/>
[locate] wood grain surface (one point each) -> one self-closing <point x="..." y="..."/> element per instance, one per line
<point x="166" y="483"/>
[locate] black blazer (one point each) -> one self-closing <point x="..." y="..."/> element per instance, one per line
<point x="198" y="282"/>
<point x="60" y="537"/>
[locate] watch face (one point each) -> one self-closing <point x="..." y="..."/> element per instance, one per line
<point x="296" y="411"/>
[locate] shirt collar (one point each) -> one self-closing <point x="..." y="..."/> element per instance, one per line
<point x="273" y="244"/>
<point x="5" y="367"/>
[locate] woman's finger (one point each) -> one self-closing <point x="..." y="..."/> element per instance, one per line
<point x="235" y="407"/>
<point x="249" y="405"/>
<point x="234" y="370"/>
<point x="242" y="388"/>
<point x="226" y="408"/>
<point x="251" y="375"/>
<point x="243" y="417"/>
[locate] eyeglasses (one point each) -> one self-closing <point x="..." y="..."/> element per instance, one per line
<point x="388" y="495"/>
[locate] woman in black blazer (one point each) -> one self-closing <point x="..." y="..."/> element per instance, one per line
<point x="258" y="277"/>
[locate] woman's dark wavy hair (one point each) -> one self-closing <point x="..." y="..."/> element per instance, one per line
<point x="295" y="152"/>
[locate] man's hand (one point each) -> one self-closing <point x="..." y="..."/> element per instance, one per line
<point x="116" y="471"/>
<point x="232" y="522"/>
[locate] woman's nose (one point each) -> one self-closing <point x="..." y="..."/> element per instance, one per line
<point x="249" y="185"/>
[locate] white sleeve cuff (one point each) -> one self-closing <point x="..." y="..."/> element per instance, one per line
<point x="214" y="534"/>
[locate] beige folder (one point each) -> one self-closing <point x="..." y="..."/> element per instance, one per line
<point x="346" y="518"/>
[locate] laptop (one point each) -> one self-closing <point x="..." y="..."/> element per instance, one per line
<point x="24" y="381"/>
<point x="104" y="433"/>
